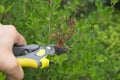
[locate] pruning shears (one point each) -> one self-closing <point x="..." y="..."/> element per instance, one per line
<point x="35" y="56"/>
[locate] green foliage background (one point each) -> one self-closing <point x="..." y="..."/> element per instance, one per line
<point x="94" y="47"/>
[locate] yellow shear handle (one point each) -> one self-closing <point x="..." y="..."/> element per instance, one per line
<point x="45" y="62"/>
<point x="28" y="62"/>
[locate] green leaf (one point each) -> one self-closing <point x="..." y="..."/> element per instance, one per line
<point x="77" y="67"/>
<point x="2" y="76"/>
<point x="25" y="1"/>
<point x="99" y="6"/>
<point x="107" y="11"/>
<point x="98" y="3"/>
<point x="101" y="58"/>
<point x="2" y="9"/>
<point x="114" y="1"/>
<point x="60" y="59"/>
<point x="93" y="17"/>
<point x="8" y="8"/>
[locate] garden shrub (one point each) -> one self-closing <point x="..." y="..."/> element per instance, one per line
<point x="94" y="47"/>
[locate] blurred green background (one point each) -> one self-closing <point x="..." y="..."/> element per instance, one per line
<point x="94" y="47"/>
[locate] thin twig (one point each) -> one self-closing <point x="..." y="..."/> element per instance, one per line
<point x="50" y="15"/>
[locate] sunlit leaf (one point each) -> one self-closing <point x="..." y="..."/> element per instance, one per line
<point x="114" y="1"/>
<point x="2" y="9"/>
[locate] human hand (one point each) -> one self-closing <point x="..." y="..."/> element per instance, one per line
<point x="9" y="37"/>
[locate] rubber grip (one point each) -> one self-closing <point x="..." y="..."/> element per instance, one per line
<point x="31" y="63"/>
<point x="27" y="62"/>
